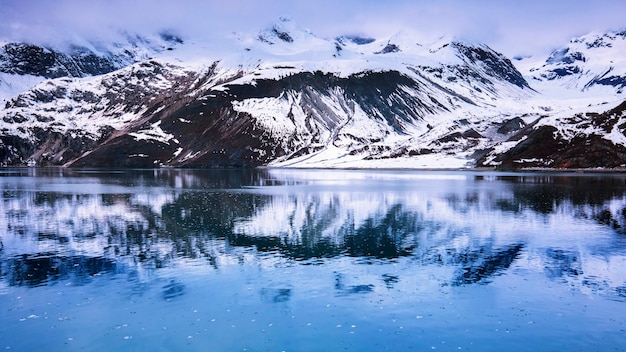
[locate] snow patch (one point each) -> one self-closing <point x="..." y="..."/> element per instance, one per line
<point x="154" y="132"/>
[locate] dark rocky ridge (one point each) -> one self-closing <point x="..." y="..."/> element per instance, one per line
<point x="544" y="147"/>
<point x="496" y="65"/>
<point x="78" y="61"/>
<point x="28" y="59"/>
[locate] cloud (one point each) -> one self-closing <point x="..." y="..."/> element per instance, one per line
<point x="507" y="26"/>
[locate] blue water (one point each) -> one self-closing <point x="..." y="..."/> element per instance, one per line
<point x="311" y="260"/>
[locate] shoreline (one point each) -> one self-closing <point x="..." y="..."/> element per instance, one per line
<point x="402" y="169"/>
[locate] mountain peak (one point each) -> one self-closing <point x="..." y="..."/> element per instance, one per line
<point x="284" y="31"/>
<point x="600" y="40"/>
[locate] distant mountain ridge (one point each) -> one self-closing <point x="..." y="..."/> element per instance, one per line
<point x="285" y="97"/>
<point x="587" y="61"/>
<point x="80" y="60"/>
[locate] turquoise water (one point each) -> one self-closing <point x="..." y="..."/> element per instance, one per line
<point x="311" y="260"/>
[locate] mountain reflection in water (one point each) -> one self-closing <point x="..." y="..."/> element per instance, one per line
<point x="311" y="260"/>
<point x="76" y="224"/>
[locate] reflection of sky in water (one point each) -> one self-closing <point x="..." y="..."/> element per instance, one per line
<point x="406" y="257"/>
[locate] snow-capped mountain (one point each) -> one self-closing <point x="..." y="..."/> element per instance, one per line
<point x="285" y="97"/>
<point x="589" y="61"/>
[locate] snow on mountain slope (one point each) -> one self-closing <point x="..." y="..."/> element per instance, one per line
<point x="285" y="97"/>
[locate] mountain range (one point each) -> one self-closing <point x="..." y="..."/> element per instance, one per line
<point x="284" y="97"/>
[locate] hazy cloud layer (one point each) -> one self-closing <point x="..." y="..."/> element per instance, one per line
<point x="512" y="27"/>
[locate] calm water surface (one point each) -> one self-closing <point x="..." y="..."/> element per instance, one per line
<point x="296" y="260"/>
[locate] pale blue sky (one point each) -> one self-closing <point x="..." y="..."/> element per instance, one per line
<point x="512" y="27"/>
